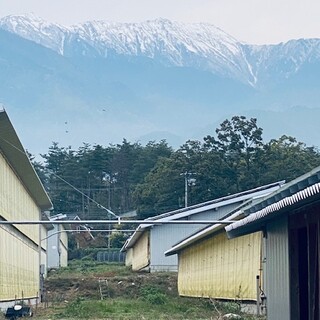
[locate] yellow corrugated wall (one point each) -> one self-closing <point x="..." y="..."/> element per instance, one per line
<point x="15" y="201"/>
<point x="19" y="256"/>
<point x="221" y="268"/>
<point x="19" y="267"/>
<point x="44" y="234"/>
<point x="140" y="258"/>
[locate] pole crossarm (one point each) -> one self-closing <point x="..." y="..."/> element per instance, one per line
<point x="40" y="222"/>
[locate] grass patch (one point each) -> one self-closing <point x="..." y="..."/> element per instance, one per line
<point x="79" y="268"/>
<point x="128" y="309"/>
<point x="73" y="293"/>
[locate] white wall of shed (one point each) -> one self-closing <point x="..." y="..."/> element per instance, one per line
<point x="163" y="238"/>
<point x="57" y="243"/>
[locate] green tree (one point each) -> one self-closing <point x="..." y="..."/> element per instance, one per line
<point x="55" y="170"/>
<point x="286" y="159"/>
<point x="162" y="189"/>
<point x="238" y="143"/>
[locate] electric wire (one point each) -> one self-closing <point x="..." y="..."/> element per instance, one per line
<point x="66" y="182"/>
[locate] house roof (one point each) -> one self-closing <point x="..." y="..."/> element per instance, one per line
<point x="202" y="207"/>
<point x="300" y="191"/>
<point x="13" y="151"/>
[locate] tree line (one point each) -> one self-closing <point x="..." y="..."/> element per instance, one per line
<point x="151" y="179"/>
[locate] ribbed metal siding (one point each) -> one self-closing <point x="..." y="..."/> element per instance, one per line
<point x="163" y="238"/>
<point x="15" y="201"/>
<point x="140" y="257"/>
<point x="221" y="268"/>
<point x="277" y="271"/>
<point x="19" y="252"/>
<point x="19" y="266"/>
<point x="52" y="251"/>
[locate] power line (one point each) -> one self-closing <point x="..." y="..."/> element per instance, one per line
<point x="65" y="181"/>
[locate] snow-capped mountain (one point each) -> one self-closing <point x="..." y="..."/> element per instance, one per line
<point x="193" y="45"/>
<point x="283" y="60"/>
<point x="33" y="28"/>
<point x="200" y="45"/>
<point x="153" y="76"/>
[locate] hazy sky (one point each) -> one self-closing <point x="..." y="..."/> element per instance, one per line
<point x="253" y="21"/>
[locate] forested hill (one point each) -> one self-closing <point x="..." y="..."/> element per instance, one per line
<point x="150" y="179"/>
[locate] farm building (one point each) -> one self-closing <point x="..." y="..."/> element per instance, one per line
<point x="212" y="266"/>
<point x="22" y="197"/>
<point x="57" y="244"/>
<point x="149" y="242"/>
<point x="290" y="222"/>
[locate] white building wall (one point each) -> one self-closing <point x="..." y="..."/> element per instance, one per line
<point x="57" y="250"/>
<point x="163" y="238"/>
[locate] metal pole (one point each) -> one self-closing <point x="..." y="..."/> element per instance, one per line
<point x="258" y="294"/>
<point x="109" y="207"/>
<point x="119" y="221"/>
<point x="94" y="230"/>
<point x="40" y="260"/>
<point x="185" y="189"/>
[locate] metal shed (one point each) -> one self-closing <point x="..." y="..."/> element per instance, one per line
<point x="58" y="244"/>
<point x="290" y="222"/>
<point x="150" y="241"/>
<point x="22" y="197"/>
<point x="212" y="266"/>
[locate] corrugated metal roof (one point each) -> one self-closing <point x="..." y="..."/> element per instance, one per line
<point x="205" y="206"/>
<point x="199" y="235"/>
<point x="133" y="238"/>
<point x="288" y="196"/>
<point x="13" y="151"/>
<point x="208" y="205"/>
<point x="235" y="214"/>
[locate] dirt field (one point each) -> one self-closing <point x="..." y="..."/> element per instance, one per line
<point x="90" y="290"/>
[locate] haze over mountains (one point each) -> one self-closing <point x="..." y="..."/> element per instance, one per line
<point x="99" y="82"/>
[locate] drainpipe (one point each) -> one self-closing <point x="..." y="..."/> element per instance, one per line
<point x="39" y="264"/>
<point x="59" y="245"/>
<point x="258" y="294"/>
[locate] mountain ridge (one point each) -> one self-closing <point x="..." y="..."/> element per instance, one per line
<point x="87" y="88"/>
<point x="199" y="45"/>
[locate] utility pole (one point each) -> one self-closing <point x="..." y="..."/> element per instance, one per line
<point x="185" y="189"/>
<point x="187" y="182"/>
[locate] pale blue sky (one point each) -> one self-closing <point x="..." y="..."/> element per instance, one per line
<point x="253" y="21"/>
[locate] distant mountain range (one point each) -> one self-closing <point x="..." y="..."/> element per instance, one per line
<point x="99" y="82"/>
